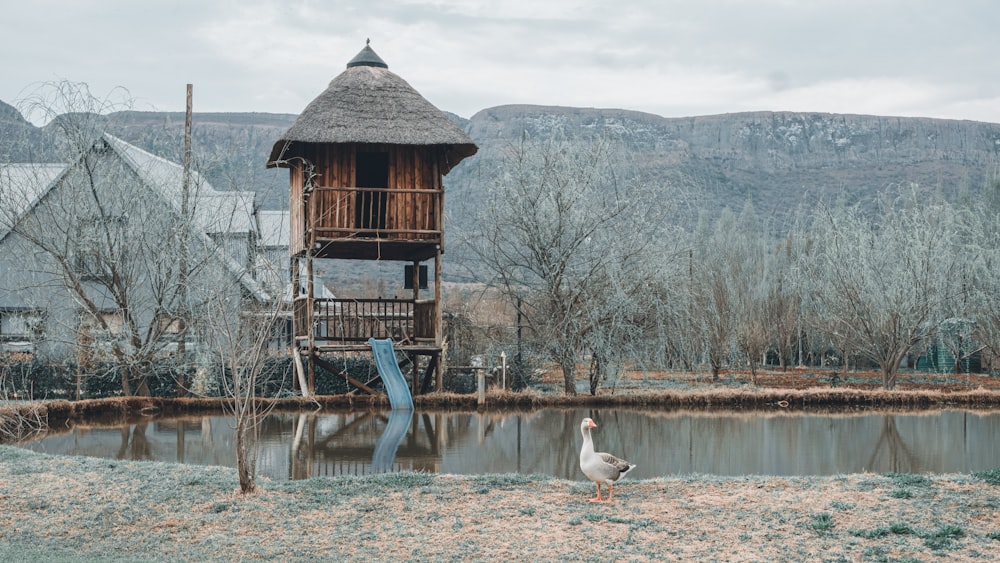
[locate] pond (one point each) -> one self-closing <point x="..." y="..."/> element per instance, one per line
<point x="548" y="441"/>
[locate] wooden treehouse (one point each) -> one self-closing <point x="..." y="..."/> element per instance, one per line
<point x="366" y="160"/>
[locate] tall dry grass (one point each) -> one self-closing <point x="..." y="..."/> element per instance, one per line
<point x="20" y="421"/>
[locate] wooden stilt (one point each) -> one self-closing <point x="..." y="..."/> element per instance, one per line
<point x="310" y="316"/>
<point x="438" y="319"/>
<point x="428" y="373"/>
<point x="414" y="374"/>
<point x="300" y="373"/>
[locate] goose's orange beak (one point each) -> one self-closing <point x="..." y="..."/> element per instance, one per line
<point x="592" y="424"/>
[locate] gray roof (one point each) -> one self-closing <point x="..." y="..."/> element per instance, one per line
<point x="215" y="212"/>
<point x="274" y="228"/>
<point x="369" y="104"/>
<point x="21" y="186"/>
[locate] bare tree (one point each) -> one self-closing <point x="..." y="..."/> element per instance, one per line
<point x="672" y="325"/>
<point x="784" y="304"/>
<point x="987" y="320"/>
<point x="983" y="217"/>
<point x="881" y="281"/>
<point x="565" y="236"/>
<point x="240" y="342"/>
<point x="751" y="278"/>
<point x="18" y="418"/>
<point x="712" y="306"/>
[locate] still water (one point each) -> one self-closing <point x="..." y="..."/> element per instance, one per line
<point x="548" y="441"/>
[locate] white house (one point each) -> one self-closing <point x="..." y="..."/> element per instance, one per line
<point x="110" y="248"/>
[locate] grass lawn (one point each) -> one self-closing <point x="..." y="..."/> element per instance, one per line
<point x="74" y="508"/>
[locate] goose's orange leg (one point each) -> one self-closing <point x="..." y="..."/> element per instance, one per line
<point x="598" y="497"/>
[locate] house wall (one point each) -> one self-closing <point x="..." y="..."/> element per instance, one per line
<point x="142" y="244"/>
<point x="31" y="280"/>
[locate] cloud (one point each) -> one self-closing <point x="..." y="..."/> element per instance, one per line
<point x="672" y="57"/>
<point x="897" y="96"/>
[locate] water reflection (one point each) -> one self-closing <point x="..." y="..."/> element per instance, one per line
<point x="300" y="446"/>
<point x="389" y="441"/>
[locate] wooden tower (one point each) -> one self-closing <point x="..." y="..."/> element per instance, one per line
<point x="366" y="160"/>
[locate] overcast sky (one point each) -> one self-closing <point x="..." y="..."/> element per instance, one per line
<point x="929" y="58"/>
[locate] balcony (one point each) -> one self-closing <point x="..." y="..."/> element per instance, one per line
<point x="347" y="324"/>
<point x="373" y="223"/>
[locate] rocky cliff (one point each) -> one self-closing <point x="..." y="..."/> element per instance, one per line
<point x="777" y="159"/>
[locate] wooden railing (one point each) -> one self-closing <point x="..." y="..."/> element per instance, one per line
<point x="357" y="320"/>
<point x="395" y="214"/>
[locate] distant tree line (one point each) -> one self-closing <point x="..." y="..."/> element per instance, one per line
<point x="603" y="281"/>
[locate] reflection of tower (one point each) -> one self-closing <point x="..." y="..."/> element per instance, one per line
<point x="518" y="443"/>
<point x="901" y="457"/>
<point x="180" y="441"/>
<point x="301" y="465"/>
<point x="341" y="444"/>
<point x="206" y="431"/>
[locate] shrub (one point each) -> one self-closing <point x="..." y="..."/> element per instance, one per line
<point x="908" y="479"/>
<point x="360" y="368"/>
<point x="991" y="476"/>
<point x="37" y="379"/>
<point x="822" y="521"/>
<point x="944" y="537"/>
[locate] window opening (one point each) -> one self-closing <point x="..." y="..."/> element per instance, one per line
<point x="370" y="210"/>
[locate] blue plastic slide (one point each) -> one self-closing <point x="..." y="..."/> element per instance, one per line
<point x="392" y="378"/>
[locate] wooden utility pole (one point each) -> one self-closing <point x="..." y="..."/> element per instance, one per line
<point x="182" y="276"/>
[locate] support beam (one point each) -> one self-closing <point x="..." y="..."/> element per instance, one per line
<point x="310" y="321"/>
<point x="414" y="374"/>
<point x="428" y="373"/>
<point x="333" y="369"/>
<point x="300" y="373"/>
<point x="438" y="318"/>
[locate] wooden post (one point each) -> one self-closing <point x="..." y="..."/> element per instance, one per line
<point x="479" y="366"/>
<point x="310" y="320"/>
<point x="302" y="383"/>
<point x="438" y="323"/>
<point x="293" y="271"/>
<point x="481" y="386"/>
<point x="415" y="279"/>
<point x="415" y="374"/>
<point x="503" y="370"/>
<point x="182" y="275"/>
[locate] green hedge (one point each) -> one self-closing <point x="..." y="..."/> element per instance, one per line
<point x="39" y="380"/>
<point x="362" y="369"/>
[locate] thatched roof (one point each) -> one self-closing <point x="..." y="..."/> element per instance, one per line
<point x="369" y="104"/>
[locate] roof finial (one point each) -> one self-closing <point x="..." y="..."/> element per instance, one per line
<point x="368" y="41"/>
<point x="367" y="57"/>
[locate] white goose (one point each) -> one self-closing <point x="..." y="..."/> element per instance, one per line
<point x="600" y="467"/>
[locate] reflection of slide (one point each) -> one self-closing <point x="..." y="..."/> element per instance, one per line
<point x="392" y="378"/>
<point x="389" y="441"/>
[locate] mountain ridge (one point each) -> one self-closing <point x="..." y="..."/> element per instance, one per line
<point x="778" y="159"/>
